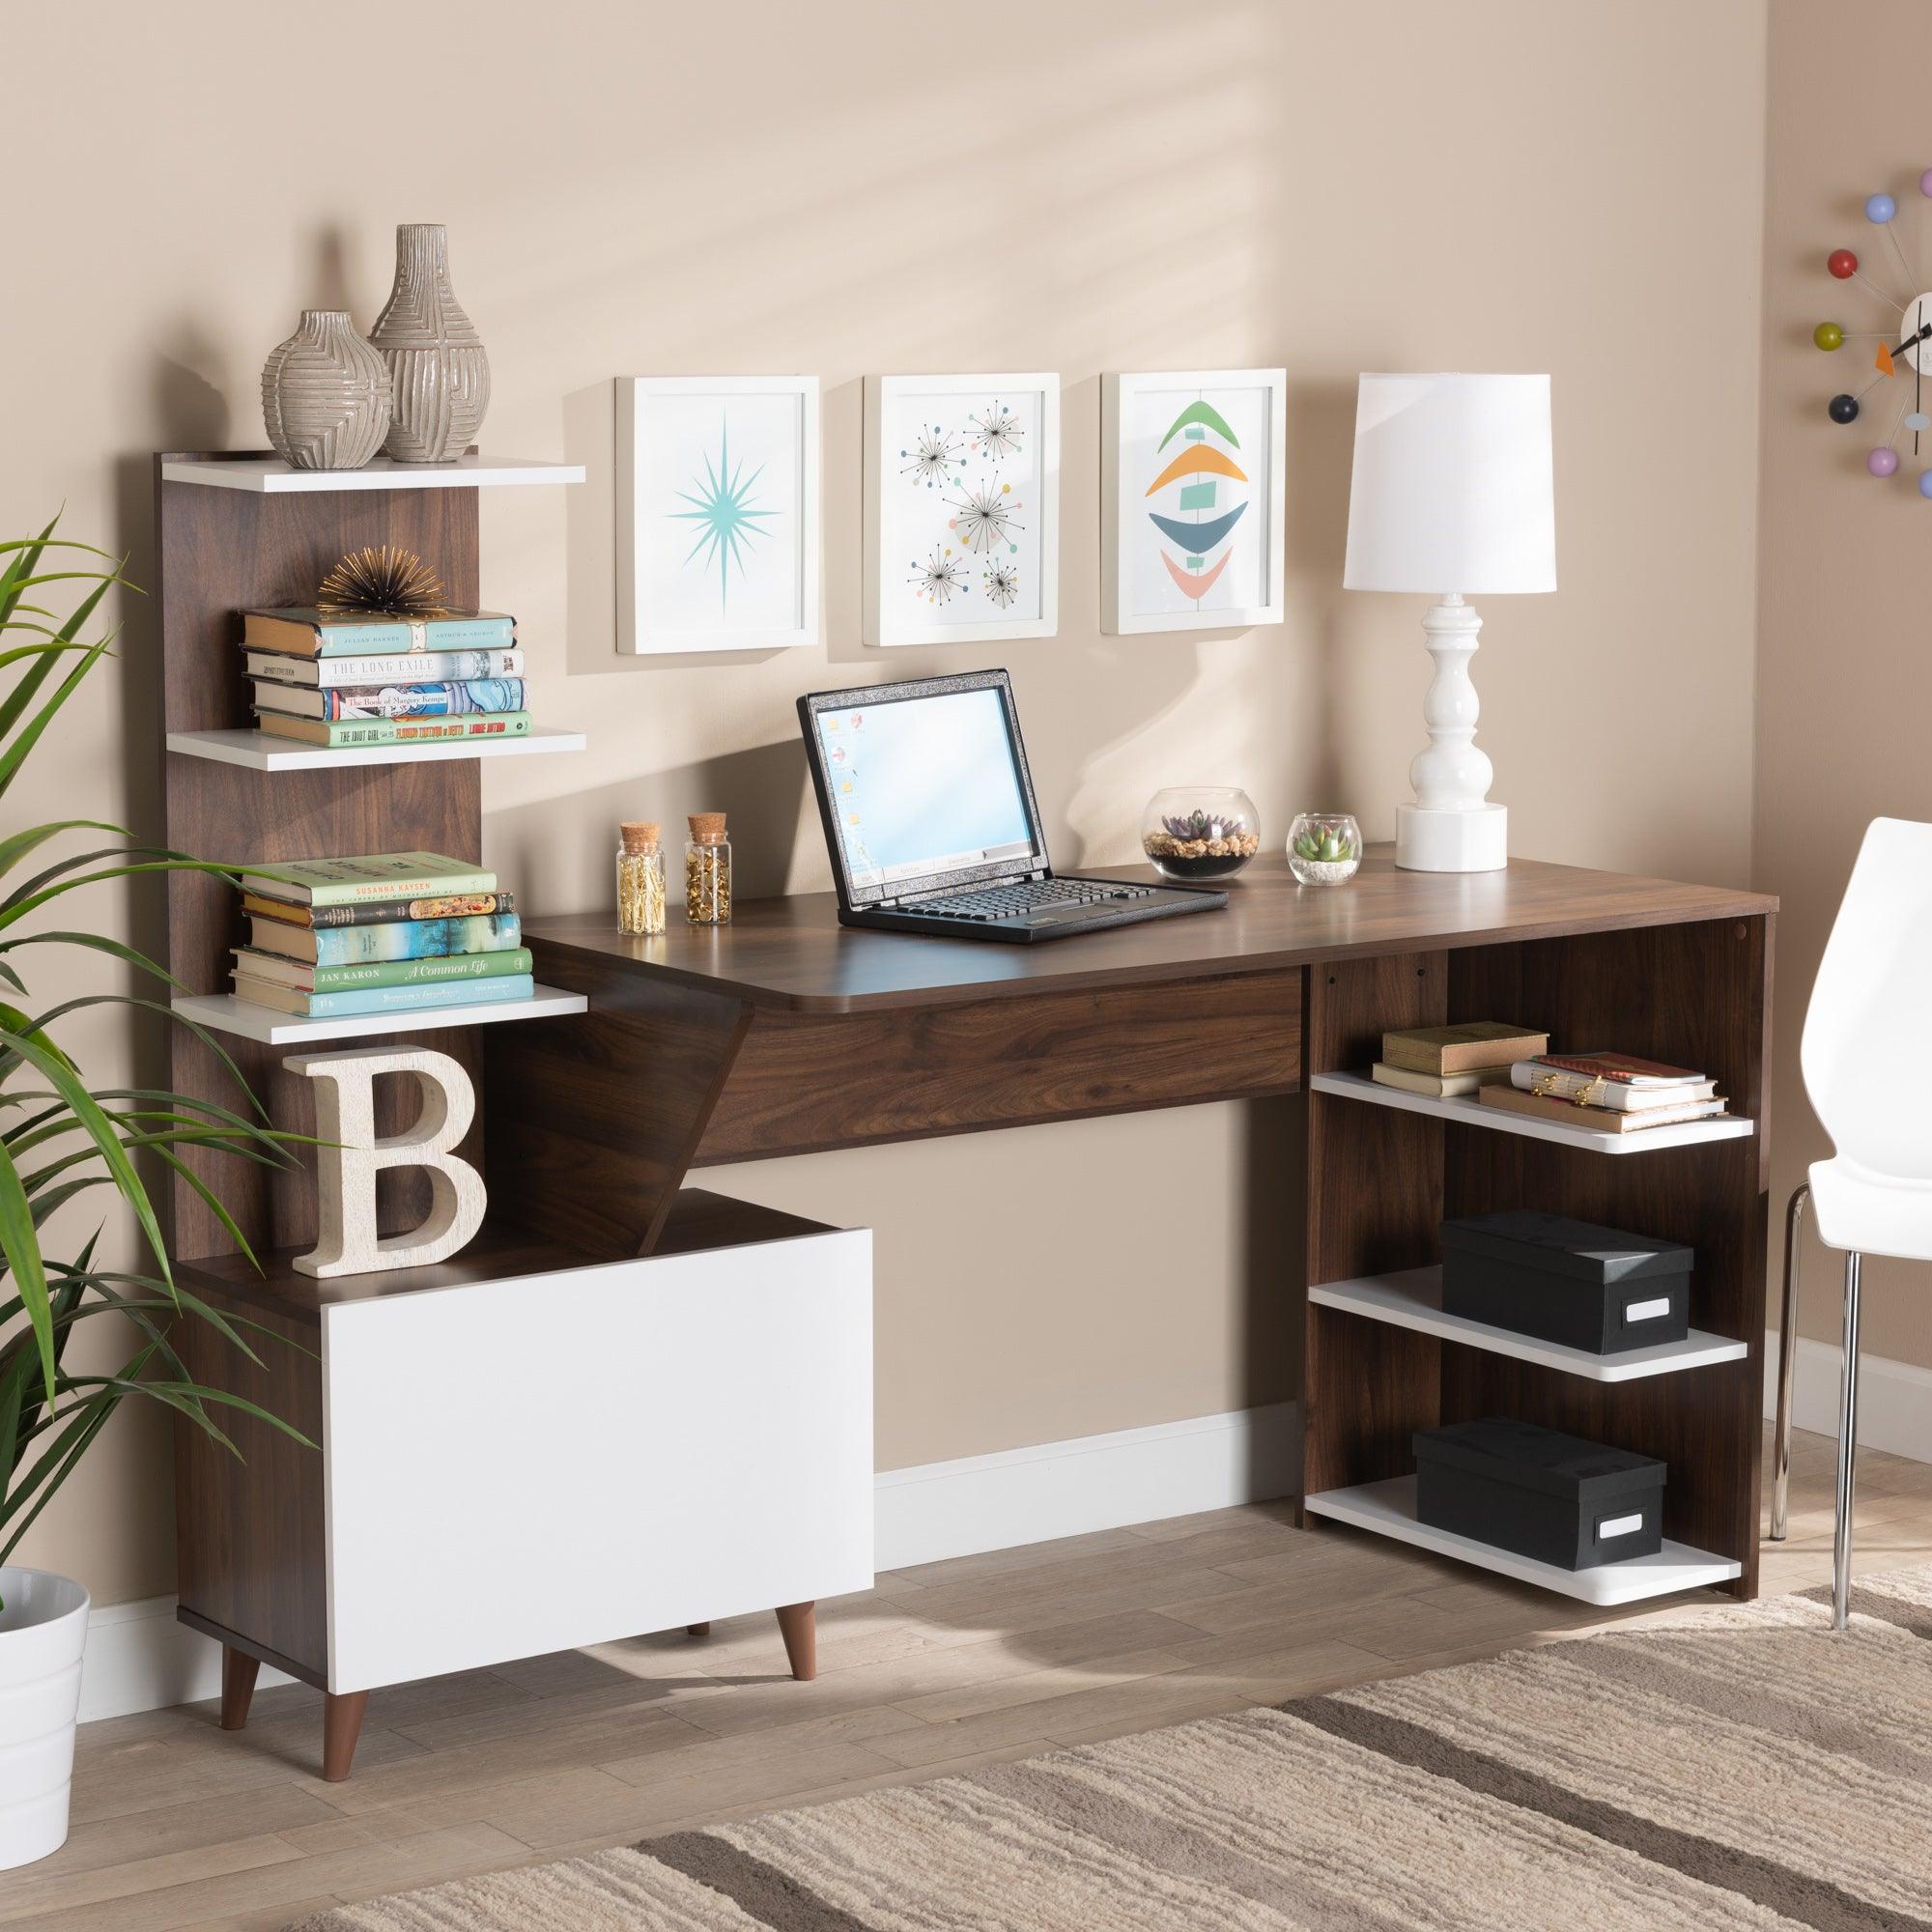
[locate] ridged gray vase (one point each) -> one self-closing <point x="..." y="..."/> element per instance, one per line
<point x="439" y="377"/>
<point x="326" y="395"/>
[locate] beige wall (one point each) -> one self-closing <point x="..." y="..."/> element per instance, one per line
<point x="1844" y="671"/>
<point x="854" y="187"/>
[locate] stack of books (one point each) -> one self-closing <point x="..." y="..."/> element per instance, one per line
<point x="392" y="932"/>
<point x="1613" y="1093"/>
<point x="1446" y="1059"/>
<point x="356" y="678"/>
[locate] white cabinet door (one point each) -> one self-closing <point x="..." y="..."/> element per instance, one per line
<point x="520" y="1467"/>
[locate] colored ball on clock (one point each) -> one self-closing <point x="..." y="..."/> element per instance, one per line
<point x="1842" y="263"/>
<point x="1918" y="422"/>
<point x="1925" y="181"/>
<point x="1925" y="482"/>
<point x="1843" y="408"/>
<point x="1829" y="335"/>
<point x="1881" y="208"/>
<point x="1882" y="462"/>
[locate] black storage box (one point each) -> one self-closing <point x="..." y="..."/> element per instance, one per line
<point x="1538" y="1492"/>
<point x="1567" y="1281"/>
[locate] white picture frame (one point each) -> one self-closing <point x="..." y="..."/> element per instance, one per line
<point x="1143" y="563"/>
<point x="693" y="512"/>
<point x="925" y="518"/>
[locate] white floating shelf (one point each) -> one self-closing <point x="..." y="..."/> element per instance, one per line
<point x="269" y="474"/>
<point x="1470" y="1112"/>
<point x="1413" y="1299"/>
<point x="1388" y="1509"/>
<point x="224" y="1012"/>
<point x="264" y="751"/>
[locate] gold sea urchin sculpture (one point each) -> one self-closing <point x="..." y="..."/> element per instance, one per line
<point x="396" y="583"/>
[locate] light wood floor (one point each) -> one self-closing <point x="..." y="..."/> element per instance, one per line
<point x="941" y="1668"/>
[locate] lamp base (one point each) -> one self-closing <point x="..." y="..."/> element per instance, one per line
<point x="1452" y="842"/>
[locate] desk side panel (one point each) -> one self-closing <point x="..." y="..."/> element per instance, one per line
<point x="806" y="1082"/>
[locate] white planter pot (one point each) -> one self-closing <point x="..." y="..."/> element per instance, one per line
<point x="42" y="1633"/>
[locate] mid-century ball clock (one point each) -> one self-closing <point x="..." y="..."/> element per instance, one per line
<point x="1902" y="361"/>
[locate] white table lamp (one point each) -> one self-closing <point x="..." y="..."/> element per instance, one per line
<point x="1452" y="495"/>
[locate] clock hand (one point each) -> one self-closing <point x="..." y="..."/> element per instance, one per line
<point x="1912" y="341"/>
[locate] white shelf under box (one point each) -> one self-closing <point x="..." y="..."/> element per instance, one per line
<point x="264" y="751"/>
<point x="1413" y="1299"/>
<point x="1467" y="1109"/>
<point x="224" y="1012"/>
<point x="269" y="474"/>
<point x="1388" y="1509"/>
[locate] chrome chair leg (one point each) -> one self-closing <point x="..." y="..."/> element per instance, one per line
<point x="1848" y="1449"/>
<point x="1787" y="1363"/>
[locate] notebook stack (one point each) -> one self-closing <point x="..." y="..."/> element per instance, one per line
<point x="392" y="932"/>
<point x="356" y="678"/>
<point x="1612" y="1093"/>
<point x="1447" y="1059"/>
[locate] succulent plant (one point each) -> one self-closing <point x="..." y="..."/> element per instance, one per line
<point x="1325" y="845"/>
<point x="1199" y="825"/>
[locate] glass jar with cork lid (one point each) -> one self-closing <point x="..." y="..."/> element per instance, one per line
<point x="707" y="872"/>
<point x="640" y="879"/>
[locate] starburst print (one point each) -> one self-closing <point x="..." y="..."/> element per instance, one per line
<point x="934" y="451"/>
<point x="985" y="517"/>
<point x="995" y="433"/>
<point x="938" y="579"/>
<point x="1001" y="582"/>
<point x="728" y="521"/>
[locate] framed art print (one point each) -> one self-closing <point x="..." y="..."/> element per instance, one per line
<point x="1191" y="525"/>
<point x="717" y="493"/>
<point x="963" y="509"/>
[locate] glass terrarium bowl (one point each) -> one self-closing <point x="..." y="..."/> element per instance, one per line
<point x="1325" y="848"/>
<point x="1200" y="832"/>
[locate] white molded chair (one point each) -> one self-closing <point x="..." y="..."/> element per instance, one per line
<point x="1867" y="1036"/>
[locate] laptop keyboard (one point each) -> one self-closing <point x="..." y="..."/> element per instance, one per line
<point x="1026" y="897"/>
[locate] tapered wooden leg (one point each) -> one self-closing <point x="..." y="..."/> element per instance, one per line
<point x="341" y="1726"/>
<point x="237" y="1686"/>
<point x="698" y="1630"/>
<point x="797" y="1625"/>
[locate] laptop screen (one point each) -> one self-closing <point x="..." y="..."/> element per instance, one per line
<point x="924" y="785"/>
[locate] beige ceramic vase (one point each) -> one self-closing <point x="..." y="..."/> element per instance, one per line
<point x="439" y="377"/>
<point x="326" y="395"/>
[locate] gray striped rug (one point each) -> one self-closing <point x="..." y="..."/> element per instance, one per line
<point x="1728" y="1767"/>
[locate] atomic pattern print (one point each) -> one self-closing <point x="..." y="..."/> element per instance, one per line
<point x="982" y="513"/>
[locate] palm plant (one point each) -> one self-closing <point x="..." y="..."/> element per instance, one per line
<point x="60" y="1136"/>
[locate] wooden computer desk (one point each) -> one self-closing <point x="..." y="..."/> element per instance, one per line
<point x="784" y="1034"/>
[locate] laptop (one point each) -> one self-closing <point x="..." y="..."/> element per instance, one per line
<point x="930" y="820"/>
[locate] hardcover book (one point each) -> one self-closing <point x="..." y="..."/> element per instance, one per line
<point x="412" y="668"/>
<point x="1604" y="1119"/>
<point x="307" y="978"/>
<point x="374" y="876"/>
<point x="1460" y="1049"/>
<point x="1436" y="1086"/>
<point x="1622" y="1069"/>
<point x="309" y="633"/>
<point x="1542" y="1076"/>
<point x="404" y="939"/>
<point x="352" y="732"/>
<point x="384" y="912"/>
<point x="392" y="700"/>
<point x="382" y="999"/>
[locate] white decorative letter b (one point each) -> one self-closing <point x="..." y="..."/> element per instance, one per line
<point x="345" y="1114"/>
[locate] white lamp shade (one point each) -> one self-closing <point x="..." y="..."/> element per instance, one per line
<point x="1451" y="487"/>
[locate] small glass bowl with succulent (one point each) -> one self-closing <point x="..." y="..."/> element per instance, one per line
<point x="1325" y="848"/>
<point x="1200" y="832"/>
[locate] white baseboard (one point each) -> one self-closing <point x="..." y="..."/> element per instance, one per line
<point x="140" y="1659"/>
<point x="1093" y="1481"/>
<point x="1895" y="1398"/>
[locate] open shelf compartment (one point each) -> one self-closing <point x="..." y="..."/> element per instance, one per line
<point x="1412" y="1298"/>
<point x="1466" y="1110"/>
<point x="1388" y="1509"/>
